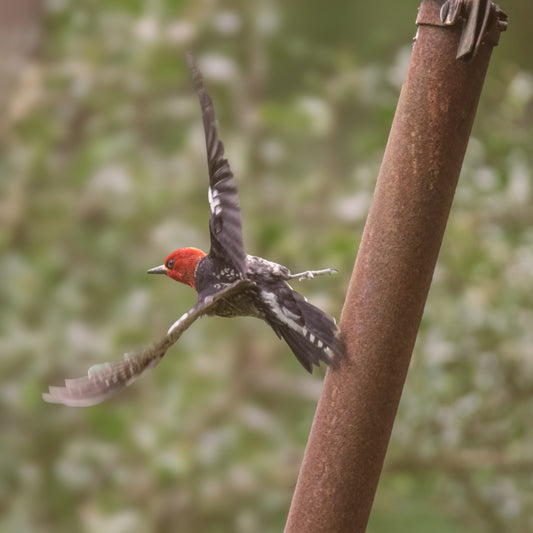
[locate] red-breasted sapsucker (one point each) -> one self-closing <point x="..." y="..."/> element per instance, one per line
<point x="229" y="283"/>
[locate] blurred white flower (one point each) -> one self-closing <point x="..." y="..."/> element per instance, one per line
<point x="520" y="89"/>
<point x="267" y="20"/>
<point x="486" y="178"/>
<point x="398" y="71"/>
<point x="318" y="112"/>
<point x="505" y="496"/>
<point x="519" y="178"/>
<point x="272" y="152"/>
<point x="217" y="67"/>
<point x="111" y="179"/>
<point x="180" y="32"/>
<point x="227" y="22"/>
<point x="353" y="208"/>
<point x="147" y="29"/>
<point x="95" y="521"/>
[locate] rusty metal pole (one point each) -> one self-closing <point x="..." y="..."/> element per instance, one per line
<point x="391" y="279"/>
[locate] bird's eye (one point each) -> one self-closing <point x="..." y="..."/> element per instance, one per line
<point x="170" y="264"/>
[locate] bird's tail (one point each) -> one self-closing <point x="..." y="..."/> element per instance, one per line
<point x="315" y="340"/>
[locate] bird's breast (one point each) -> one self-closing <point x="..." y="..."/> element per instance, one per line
<point x="245" y="303"/>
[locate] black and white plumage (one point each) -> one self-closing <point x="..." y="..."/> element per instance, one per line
<point x="311" y="334"/>
<point x="229" y="283"/>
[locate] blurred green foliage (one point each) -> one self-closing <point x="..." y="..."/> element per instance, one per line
<point x="103" y="173"/>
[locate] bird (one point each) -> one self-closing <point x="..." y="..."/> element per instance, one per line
<point x="228" y="281"/>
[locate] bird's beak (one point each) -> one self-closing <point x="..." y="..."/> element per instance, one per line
<point x="161" y="269"/>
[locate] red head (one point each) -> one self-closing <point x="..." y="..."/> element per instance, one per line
<point x="181" y="265"/>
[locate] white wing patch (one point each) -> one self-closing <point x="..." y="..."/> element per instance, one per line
<point x="214" y="201"/>
<point x="178" y="323"/>
<point x="289" y="318"/>
<point x="283" y="314"/>
<point x="98" y="368"/>
<point x="260" y="266"/>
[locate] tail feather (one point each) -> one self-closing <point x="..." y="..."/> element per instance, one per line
<point x="315" y="339"/>
<point x="299" y="347"/>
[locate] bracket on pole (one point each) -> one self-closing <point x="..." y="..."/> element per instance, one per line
<point x="482" y="21"/>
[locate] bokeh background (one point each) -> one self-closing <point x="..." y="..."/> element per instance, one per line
<point x="102" y="174"/>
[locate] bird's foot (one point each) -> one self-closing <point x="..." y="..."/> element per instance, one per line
<point x="309" y="274"/>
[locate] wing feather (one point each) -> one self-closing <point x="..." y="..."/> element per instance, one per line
<point x="103" y="381"/>
<point x="225" y="224"/>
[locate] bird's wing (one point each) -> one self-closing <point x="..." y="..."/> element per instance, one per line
<point x="102" y="381"/>
<point x="225" y="224"/>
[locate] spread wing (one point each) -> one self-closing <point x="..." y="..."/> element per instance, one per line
<point x="102" y="381"/>
<point x="225" y="222"/>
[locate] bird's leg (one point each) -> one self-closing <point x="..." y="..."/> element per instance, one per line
<point x="309" y="274"/>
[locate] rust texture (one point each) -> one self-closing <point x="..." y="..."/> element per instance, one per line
<point x="390" y="282"/>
